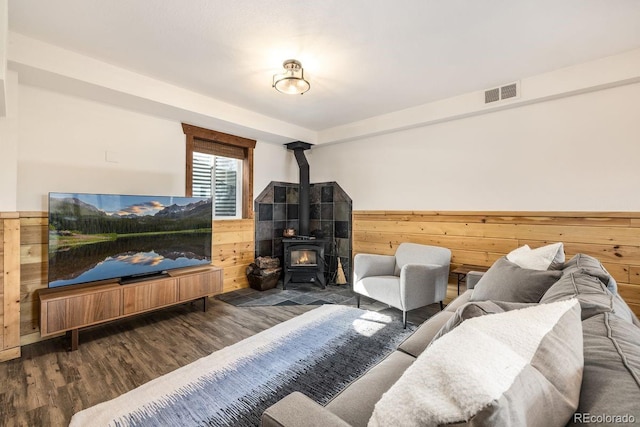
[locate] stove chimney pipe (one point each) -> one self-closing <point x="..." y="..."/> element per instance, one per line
<point x="304" y="204"/>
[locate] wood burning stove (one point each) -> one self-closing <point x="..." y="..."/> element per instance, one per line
<point x="304" y="261"/>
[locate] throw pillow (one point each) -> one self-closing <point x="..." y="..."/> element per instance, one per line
<point x="522" y="367"/>
<point x="476" y="309"/>
<point x="505" y="281"/>
<point x="549" y="257"/>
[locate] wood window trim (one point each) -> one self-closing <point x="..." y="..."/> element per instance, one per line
<point x="194" y="133"/>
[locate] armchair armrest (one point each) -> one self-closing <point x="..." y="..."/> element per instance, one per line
<point x="422" y="283"/>
<point x="297" y="410"/>
<point x="473" y="277"/>
<point x="365" y="265"/>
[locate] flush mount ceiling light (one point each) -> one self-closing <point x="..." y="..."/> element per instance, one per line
<point x="292" y="81"/>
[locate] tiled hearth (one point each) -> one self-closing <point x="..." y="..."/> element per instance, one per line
<point x="330" y="217"/>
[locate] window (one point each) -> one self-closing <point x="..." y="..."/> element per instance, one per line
<point x="226" y="161"/>
<point x="226" y="174"/>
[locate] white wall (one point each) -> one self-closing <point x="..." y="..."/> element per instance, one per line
<point x="9" y="147"/>
<point x="63" y="141"/>
<point x="575" y="153"/>
<point x="4" y="31"/>
<point x="272" y="162"/>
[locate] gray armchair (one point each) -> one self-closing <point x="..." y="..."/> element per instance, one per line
<point x="417" y="275"/>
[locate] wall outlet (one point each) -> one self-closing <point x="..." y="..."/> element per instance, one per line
<point x="111" y="157"/>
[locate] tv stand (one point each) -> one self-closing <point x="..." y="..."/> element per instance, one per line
<point x="70" y="308"/>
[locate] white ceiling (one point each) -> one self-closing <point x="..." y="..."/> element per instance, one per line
<point x="363" y="57"/>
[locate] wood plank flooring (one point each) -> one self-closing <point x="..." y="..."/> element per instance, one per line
<point x="48" y="384"/>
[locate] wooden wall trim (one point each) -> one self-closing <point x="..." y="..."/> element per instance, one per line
<point x="10" y="282"/>
<point x="481" y="237"/>
<point x="212" y="135"/>
<point x="577" y="214"/>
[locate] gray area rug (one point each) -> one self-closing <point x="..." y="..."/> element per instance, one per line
<point x="295" y="294"/>
<point x="317" y="353"/>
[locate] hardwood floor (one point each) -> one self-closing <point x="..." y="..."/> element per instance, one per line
<point x="48" y="384"/>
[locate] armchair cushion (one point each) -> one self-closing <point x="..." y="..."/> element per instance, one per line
<point x="381" y="288"/>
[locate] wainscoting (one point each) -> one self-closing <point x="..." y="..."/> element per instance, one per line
<point x="9" y="286"/>
<point x="479" y="238"/>
<point x="233" y="250"/>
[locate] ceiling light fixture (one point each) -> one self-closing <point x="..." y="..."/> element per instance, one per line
<point x="292" y="81"/>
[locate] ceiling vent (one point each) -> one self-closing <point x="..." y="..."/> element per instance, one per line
<point x="509" y="91"/>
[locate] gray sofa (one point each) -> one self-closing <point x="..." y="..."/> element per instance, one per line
<point x="611" y="343"/>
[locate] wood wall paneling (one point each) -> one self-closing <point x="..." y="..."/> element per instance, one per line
<point x="233" y="249"/>
<point x="10" y="286"/>
<point x="479" y="238"/>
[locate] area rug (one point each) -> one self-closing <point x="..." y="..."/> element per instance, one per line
<point x="317" y="353"/>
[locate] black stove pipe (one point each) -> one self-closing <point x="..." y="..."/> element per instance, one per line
<point x="304" y="205"/>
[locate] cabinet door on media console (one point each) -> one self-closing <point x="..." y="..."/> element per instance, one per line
<point x="147" y="296"/>
<point x="64" y="313"/>
<point x="200" y="285"/>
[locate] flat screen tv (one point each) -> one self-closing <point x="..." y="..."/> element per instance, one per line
<point x="95" y="237"/>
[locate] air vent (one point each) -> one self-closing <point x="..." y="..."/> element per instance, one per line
<point x="511" y="90"/>
<point x="491" y="95"/>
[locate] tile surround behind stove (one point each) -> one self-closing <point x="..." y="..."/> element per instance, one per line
<point x="276" y="209"/>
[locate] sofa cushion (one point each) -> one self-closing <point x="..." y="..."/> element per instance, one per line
<point x="417" y="342"/>
<point x="460" y="301"/>
<point x="623" y="311"/>
<point x="505" y="281"/>
<point x="611" y="378"/>
<point x="590" y="265"/>
<point x="355" y="403"/>
<point x="528" y="372"/>
<point x="549" y="257"/>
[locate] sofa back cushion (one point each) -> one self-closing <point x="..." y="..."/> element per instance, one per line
<point x="506" y="281"/>
<point x="589" y="290"/>
<point x="522" y="367"/>
<point x="611" y="378"/>
<point x="587" y="264"/>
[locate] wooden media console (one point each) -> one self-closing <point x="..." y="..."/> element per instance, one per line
<point x="70" y="308"/>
